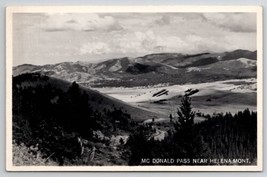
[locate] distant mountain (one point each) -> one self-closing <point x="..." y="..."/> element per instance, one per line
<point x="240" y="54"/>
<point x="172" y="68"/>
<point x="138" y="68"/>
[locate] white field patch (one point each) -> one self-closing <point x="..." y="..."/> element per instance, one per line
<point x="116" y="67"/>
<point x="145" y="94"/>
<point x="247" y="62"/>
<point x="156" y="120"/>
<point x="100" y="67"/>
<point x="196" y="69"/>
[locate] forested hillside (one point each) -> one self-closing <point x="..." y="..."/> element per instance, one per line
<point x="223" y="139"/>
<point x="57" y="123"/>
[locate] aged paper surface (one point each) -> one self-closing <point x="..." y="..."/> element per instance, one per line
<point x="134" y="88"/>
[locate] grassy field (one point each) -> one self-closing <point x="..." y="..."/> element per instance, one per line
<point x="214" y="97"/>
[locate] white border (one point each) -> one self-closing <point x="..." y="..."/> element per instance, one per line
<point x="123" y="9"/>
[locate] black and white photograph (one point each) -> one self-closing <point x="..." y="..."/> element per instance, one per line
<point x="134" y="88"/>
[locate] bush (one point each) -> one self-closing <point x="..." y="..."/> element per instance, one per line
<point x="22" y="156"/>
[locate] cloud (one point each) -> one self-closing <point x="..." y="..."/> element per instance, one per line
<point x="145" y="42"/>
<point x="137" y="42"/>
<point x="148" y="42"/>
<point x="95" y="48"/>
<point x="56" y="29"/>
<point x="164" y="20"/>
<point x="68" y="37"/>
<point x="71" y="21"/>
<point x="178" y="18"/>
<point x="80" y="22"/>
<point x="236" y="22"/>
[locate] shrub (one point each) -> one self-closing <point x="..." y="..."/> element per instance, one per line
<point x="23" y="155"/>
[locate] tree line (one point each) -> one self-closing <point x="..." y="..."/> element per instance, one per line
<point x="221" y="136"/>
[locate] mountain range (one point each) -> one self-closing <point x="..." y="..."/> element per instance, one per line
<point x="152" y="69"/>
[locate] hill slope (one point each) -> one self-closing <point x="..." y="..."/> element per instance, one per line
<point x="172" y="68"/>
<point x="98" y="101"/>
<point x="66" y="122"/>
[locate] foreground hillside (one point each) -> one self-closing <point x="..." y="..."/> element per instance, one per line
<point x="172" y="68"/>
<point x="65" y="123"/>
<point x="98" y="101"/>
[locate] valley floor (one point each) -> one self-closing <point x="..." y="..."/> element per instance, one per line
<point x="213" y="97"/>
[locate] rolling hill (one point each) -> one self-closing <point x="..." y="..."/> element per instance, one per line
<point x="63" y="122"/>
<point x="172" y="68"/>
<point x="98" y="101"/>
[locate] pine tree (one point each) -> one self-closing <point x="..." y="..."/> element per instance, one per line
<point x="188" y="142"/>
<point x="185" y="114"/>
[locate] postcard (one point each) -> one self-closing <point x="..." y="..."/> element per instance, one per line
<point x="134" y="88"/>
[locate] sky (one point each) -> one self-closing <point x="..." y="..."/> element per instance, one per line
<point x="49" y="38"/>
